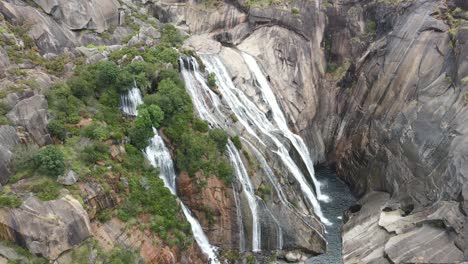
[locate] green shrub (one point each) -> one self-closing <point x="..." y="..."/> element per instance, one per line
<point x="171" y="35"/>
<point x="371" y="27"/>
<point x="200" y="125"/>
<point x="56" y="66"/>
<point x="237" y="142"/>
<point x="161" y="54"/>
<point x="94" y="152"/>
<point x="225" y="171"/>
<point x="131" y="53"/>
<point x="142" y="129"/>
<point x="57" y="129"/>
<point x="220" y="137"/>
<point x="50" y="161"/>
<point x="96" y="131"/>
<point x="211" y="80"/>
<point x="295" y="11"/>
<point x="122" y="256"/>
<point x="8" y="201"/>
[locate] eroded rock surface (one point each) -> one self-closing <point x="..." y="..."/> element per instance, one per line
<point x="31" y="113"/>
<point x="46" y="228"/>
<point x="8" y="139"/>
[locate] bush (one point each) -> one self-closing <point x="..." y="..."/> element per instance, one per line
<point x="50" y="160"/>
<point x="237" y="142"/>
<point x="96" y="131"/>
<point x="295" y="11"/>
<point x="94" y="152"/>
<point x="219" y="137"/>
<point x="141" y="131"/>
<point x="7" y="201"/>
<point x="57" y="129"/>
<point x="171" y="35"/>
<point x="211" y="80"/>
<point x="200" y="125"/>
<point x="371" y="27"/>
<point x="225" y="171"/>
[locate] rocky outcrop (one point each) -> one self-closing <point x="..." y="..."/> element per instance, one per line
<point x="213" y="205"/>
<point x="31" y="113"/>
<point x="8" y="139"/>
<point x="77" y="15"/>
<point x="151" y="248"/>
<point x="46" y="228"/>
<point x="374" y="233"/>
<point x="97" y="199"/>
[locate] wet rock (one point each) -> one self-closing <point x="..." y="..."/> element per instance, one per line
<point x="31" y="113"/>
<point x="46" y="228"/>
<point x="69" y="178"/>
<point x="426" y="244"/>
<point x="295" y="257"/>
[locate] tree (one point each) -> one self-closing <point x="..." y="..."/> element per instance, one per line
<point x="50" y="160"/>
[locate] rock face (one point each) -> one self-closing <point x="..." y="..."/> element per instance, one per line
<point x="77" y="15"/>
<point x="114" y="232"/>
<point x="31" y="113"/>
<point x="46" y="228"/>
<point x="374" y="233"/>
<point x="8" y="139"/>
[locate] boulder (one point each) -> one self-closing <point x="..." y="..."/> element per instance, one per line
<point x="68" y="178"/>
<point x="8" y="139"/>
<point x="31" y="113"/>
<point x="46" y="228"/>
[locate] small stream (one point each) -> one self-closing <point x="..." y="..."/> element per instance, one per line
<point x="340" y="199"/>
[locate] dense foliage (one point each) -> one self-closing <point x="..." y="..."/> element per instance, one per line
<point x="50" y="161"/>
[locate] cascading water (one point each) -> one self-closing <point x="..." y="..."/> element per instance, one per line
<point x="159" y="156"/>
<point x="244" y="179"/>
<point x="260" y="127"/>
<point x="129" y="102"/>
<point x="280" y="120"/>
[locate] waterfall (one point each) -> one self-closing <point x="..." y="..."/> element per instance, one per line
<point x="247" y="187"/>
<point x="260" y="127"/>
<point x="131" y="100"/>
<point x="240" y="224"/>
<point x="159" y="156"/>
<point x="280" y="120"/>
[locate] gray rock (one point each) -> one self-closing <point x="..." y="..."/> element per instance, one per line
<point x="31" y="113"/>
<point x="46" y="228"/>
<point x="81" y="14"/>
<point x="68" y="178"/>
<point x="295" y="257"/>
<point x="426" y="244"/>
<point x="8" y="139"/>
<point x="363" y="239"/>
<point x="4" y="60"/>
